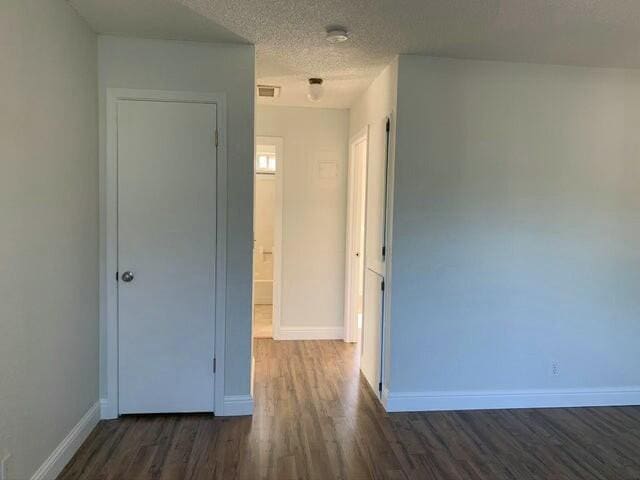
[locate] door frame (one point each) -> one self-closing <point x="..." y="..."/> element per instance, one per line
<point x="109" y="238"/>
<point x="278" y="143"/>
<point x="350" y="320"/>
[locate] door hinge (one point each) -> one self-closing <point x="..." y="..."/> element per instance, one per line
<point x="388" y="125"/>
<point x="380" y="387"/>
<point x="215" y="136"/>
<point x="382" y="285"/>
<point x="117" y="276"/>
<point x="384" y="251"/>
<point x="214" y="365"/>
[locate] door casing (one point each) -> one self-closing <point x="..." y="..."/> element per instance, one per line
<point x="109" y="238"/>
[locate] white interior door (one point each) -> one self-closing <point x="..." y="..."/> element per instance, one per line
<point x="371" y="329"/>
<point x="355" y="240"/>
<point x="376" y="195"/>
<point x="167" y="241"/>
<point x="359" y="224"/>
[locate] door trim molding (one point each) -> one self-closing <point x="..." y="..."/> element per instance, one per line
<point x="350" y="322"/>
<point x="277" y="142"/>
<point x="109" y="238"/>
<point x="238" y="405"/>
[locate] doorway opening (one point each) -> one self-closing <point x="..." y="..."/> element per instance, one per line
<point x="326" y="240"/>
<point x="267" y="231"/>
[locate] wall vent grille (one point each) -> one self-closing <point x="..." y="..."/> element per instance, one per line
<point x="268" y="91"/>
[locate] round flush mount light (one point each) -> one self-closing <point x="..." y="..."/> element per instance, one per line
<point x="337" y="35"/>
<point x="315" y="89"/>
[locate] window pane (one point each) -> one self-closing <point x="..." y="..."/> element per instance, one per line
<point x="265" y="162"/>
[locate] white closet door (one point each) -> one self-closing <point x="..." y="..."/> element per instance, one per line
<point x="372" y="329"/>
<point x="166" y="256"/>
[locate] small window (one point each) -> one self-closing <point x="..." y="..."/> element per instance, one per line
<point x="265" y="163"/>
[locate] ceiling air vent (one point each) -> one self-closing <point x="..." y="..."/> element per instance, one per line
<point x="268" y="91"/>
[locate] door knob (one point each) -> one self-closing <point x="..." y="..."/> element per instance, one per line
<point x="127" y="276"/>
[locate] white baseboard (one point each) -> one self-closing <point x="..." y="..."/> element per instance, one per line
<point x="237" y="405"/>
<point x="435" y="401"/>
<point x="59" y="458"/>
<point x="310" y="333"/>
<point x="107" y="410"/>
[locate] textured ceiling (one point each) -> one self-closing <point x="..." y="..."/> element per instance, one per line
<point x="290" y="45"/>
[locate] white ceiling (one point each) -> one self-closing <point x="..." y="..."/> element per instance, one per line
<point x="167" y="19"/>
<point x="290" y="45"/>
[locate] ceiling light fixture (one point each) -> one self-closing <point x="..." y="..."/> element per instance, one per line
<point x="315" y="89"/>
<point x="337" y="35"/>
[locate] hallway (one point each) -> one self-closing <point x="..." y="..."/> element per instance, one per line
<point x="315" y="418"/>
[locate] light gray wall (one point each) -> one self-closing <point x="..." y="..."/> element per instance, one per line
<point x="49" y="217"/>
<point x="377" y="104"/>
<point x="372" y="109"/>
<point x="516" y="227"/>
<point x="209" y="68"/>
<point x="314" y="212"/>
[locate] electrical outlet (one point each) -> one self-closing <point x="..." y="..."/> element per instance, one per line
<point x="555" y="368"/>
<point x="4" y="475"/>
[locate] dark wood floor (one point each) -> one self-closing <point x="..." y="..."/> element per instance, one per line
<point x="315" y="418"/>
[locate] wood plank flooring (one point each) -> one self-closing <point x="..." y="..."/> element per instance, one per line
<point x="263" y="321"/>
<point x="316" y="418"/>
